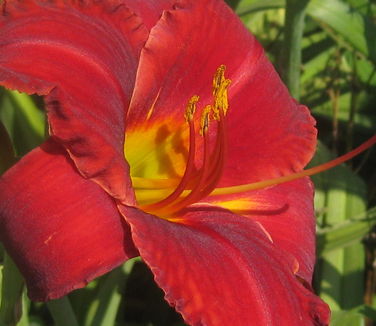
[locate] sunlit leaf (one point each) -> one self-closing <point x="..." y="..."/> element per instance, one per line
<point x="251" y="6"/>
<point x="344" y="234"/>
<point x="104" y="308"/>
<point x="24" y="121"/>
<point x="355" y="30"/>
<point x="346" y="318"/>
<point x="342" y="196"/>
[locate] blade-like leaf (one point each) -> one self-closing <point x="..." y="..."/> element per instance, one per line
<point x="104" y="308"/>
<point x="340" y="269"/>
<point x="346" y="318"/>
<point x="24" y="121"/>
<point x="349" y="232"/>
<point x="248" y="6"/>
<point x="62" y="312"/>
<point x="6" y="150"/>
<point x="355" y="30"/>
<point x="11" y="293"/>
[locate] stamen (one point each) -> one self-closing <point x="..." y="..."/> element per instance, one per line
<point x="220" y="107"/>
<point x="219" y="78"/>
<point x="295" y="176"/>
<point x="205" y="120"/>
<point x="221" y="99"/>
<point x="220" y="85"/>
<point x="218" y="159"/>
<point x="209" y="175"/>
<point x="195" y="193"/>
<point x="189" y="113"/>
<point x="191" y="108"/>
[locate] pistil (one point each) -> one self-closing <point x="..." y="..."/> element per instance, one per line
<point x="154" y="186"/>
<point x="294" y="176"/>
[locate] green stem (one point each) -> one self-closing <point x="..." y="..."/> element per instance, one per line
<point x="62" y="312"/>
<point x="291" y="52"/>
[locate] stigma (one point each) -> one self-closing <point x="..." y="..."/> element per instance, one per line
<point x="198" y="182"/>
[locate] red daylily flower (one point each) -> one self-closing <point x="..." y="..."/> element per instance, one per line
<point x="125" y="173"/>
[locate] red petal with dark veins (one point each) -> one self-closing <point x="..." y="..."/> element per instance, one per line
<point x="87" y="53"/>
<point x="266" y="129"/>
<point x="219" y="268"/>
<point x="61" y="230"/>
<point x="286" y="213"/>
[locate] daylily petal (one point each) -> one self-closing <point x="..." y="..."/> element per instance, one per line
<point x="84" y="56"/>
<point x="150" y="11"/>
<point x="219" y="268"/>
<point x="286" y="213"/>
<point x="61" y="230"/>
<point x="199" y="36"/>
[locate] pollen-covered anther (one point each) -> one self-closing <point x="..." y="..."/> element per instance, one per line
<point x="191" y="108"/>
<point x="220" y="96"/>
<point x="219" y="78"/>
<point x="221" y="99"/>
<point x="205" y="120"/>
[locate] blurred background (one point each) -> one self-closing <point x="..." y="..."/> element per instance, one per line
<point x="326" y="54"/>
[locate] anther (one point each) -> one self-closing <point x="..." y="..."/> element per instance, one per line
<point x="218" y="79"/>
<point x="191" y="108"/>
<point x="221" y="99"/>
<point x="205" y="120"/>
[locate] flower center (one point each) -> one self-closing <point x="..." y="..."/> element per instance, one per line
<point x="197" y="184"/>
<point x="166" y="197"/>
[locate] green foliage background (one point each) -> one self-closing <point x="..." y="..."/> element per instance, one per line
<point x="326" y="53"/>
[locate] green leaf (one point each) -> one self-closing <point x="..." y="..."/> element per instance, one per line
<point x="246" y="7"/>
<point x="367" y="311"/>
<point x="292" y="45"/>
<point x="346" y="318"/>
<point x="233" y="3"/>
<point x="344" y="234"/>
<point x="7" y="157"/>
<point x="342" y="196"/>
<point x="355" y="30"/>
<point x="11" y="294"/>
<point x="24" y="321"/>
<point x="23" y="119"/>
<point x="353" y="317"/>
<point x="104" y="307"/>
<point x="62" y="312"/>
